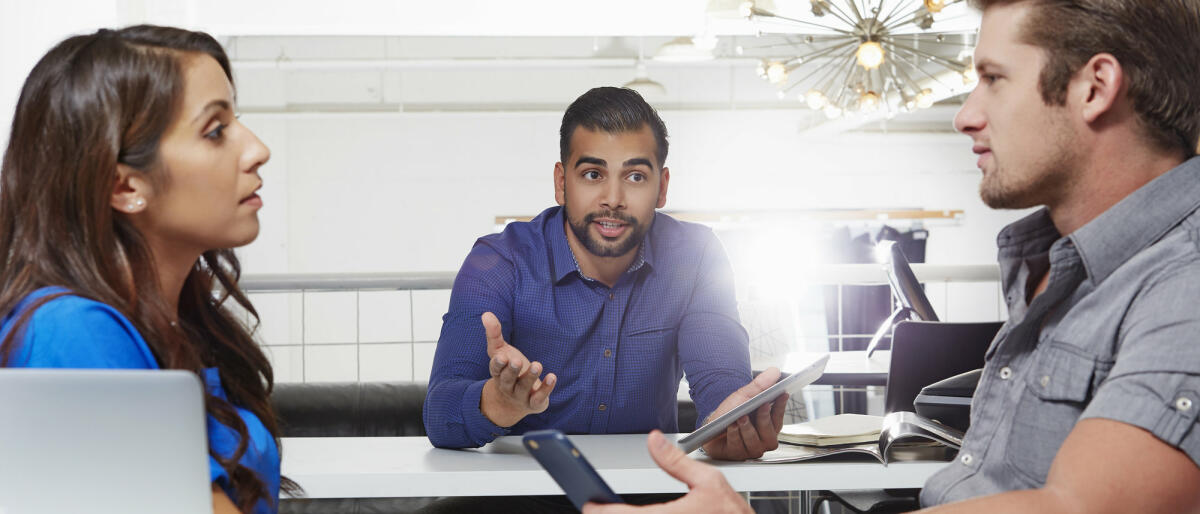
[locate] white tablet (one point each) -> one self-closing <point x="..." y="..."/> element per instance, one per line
<point x="790" y="384"/>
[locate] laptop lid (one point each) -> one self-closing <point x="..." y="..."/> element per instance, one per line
<point x="102" y="441"/>
<point x="904" y="283"/>
<point x="925" y="352"/>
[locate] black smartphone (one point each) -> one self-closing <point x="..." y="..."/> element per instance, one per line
<point x="569" y="468"/>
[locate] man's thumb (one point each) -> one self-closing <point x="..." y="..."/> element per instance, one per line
<point x="491" y="327"/>
<point x="672" y="460"/>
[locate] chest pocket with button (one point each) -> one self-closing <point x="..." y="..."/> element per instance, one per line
<point x="1058" y="387"/>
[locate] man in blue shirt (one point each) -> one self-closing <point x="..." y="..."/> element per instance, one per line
<point x="614" y="300"/>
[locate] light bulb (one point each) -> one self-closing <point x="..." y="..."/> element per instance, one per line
<point x="776" y="73"/>
<point x="970" y="76"/>
<point x="745" y="9"/>
<point x="870" y="55"/>
<point x="833" y="112"/>
<point x="868" y="102"/>
<point x="925" y="98"/>
<point x="935" y="5"/>
<point x="816" y="100"/>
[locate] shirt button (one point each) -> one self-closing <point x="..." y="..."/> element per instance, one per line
<point x="607" y="352"/>
<point x="603" y="407"/>
<point x="966" y="459"/>
<point x="1183" y="404"/>
<point x="610" y="296"/>
<point x="1005" y="373"/>
<point x="1045" y="381"/>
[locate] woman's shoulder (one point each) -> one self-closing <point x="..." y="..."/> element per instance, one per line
<point x="68" y="330"/>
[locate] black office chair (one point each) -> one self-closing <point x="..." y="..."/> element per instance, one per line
<point x="923" y="352"/>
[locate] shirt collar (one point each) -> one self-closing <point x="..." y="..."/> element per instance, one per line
<point x="1138" y="220"/>
<point x="564" y="262"/>
<point x="1027" y="236"/>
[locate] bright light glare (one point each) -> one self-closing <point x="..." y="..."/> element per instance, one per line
<point x="815" y="99"/>
<point x="776" y="73"/>
<point x="883" y="251"/>
<point x="870" y="55"/>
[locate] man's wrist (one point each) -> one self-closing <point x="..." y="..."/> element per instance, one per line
<point x="492" y="406"/>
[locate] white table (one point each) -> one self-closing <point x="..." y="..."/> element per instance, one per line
<point x="372" y="467"/>
<point x="848" y="368"/>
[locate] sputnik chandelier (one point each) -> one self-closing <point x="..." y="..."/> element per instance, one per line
<point x="860" y="56"/>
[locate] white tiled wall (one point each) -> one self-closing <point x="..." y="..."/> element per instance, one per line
<point x="372" y="336"/>
<point x="346" y="336"/>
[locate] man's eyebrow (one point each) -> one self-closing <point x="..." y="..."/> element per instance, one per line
<point x="213" y="105"/>
<point x="986" y="63"/>
<point x="590" y="160"/>
<point x="639" y="160"/>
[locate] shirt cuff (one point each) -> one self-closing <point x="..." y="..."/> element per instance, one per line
<point x="1172" y="420"/>
<point x="713" y="395"/>
<point x="480" y="429"/>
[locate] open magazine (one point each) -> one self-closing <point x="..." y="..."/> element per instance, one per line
<point x="901" y="436"/>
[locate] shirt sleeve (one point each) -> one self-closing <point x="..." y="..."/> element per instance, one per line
<point x="714" y="349"/>
<point x="74" y="332"/>
<point x="1155" y="382"/>
<point x="485" y="283"/>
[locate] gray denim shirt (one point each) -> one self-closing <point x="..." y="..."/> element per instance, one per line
<point x="1116" y="335"/>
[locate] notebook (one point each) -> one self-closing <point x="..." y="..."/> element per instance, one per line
<point x="833" y="430"/>
<point x="103" y="441"/>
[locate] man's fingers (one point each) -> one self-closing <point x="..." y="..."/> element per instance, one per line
<point x="612" y="508"/>
<point x="540" y="399"/>
<point x="508" y="378"/>
<point x="526" y="378"/>
<point x="768" y="434"/>
<point x="496" y="365"/>
<point x="752" y="445"/>
<point x="491" y="327"/>
<point x="672" y="460"/>
<point x="778" y="409"/>
<point x="760" y="383"/>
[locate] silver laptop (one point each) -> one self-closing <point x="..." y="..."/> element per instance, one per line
<point x="102" y="441"/>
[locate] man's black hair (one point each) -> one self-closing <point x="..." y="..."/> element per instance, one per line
<point x="612" y="110"/>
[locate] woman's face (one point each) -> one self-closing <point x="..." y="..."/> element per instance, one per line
<point x="205" y="198"/>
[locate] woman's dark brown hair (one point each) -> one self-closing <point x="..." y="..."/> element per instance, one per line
<point x="92" y="102"/>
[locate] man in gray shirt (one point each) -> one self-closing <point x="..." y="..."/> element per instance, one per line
<point x="1091" y="391"/>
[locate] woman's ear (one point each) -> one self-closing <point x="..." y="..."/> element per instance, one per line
<point x="130" y="191"/>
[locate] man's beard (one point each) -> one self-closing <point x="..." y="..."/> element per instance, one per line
<point x="636" y="232"/>
<point x="1049" y="179"/>
<point x="1041" y="189"/>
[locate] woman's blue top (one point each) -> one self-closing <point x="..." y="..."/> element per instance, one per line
<point x="74" y="332"/>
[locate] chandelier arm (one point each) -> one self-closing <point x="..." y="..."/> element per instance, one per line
<point x="896" y="8"/>
<point x="830" y="77"/>
<point x="918" y="38"/>
<point x="791" y="44"/>
<point x="908" y="78"/>
<point x="931" y="76"/>
<point x="823" y="51"/>
<point x="949" y="63"/>
<point x="838" y="13"/>
<point x="802" y="22"/>
<point x="851" y="68"/>
<point x="824" y="71"/>
<point x="854" y="7"/>
<point x="907" y="18"/>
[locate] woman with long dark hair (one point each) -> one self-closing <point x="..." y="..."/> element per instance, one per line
<point x="126" y="181"/>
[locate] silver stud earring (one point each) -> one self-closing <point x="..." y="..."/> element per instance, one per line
<point x="129" y="207"/>
<point x="140" y="202"/>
